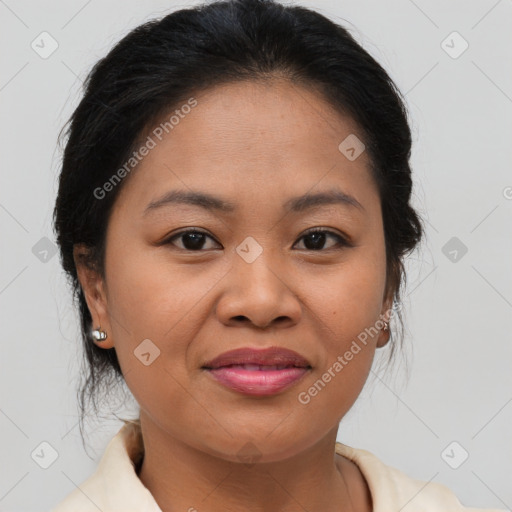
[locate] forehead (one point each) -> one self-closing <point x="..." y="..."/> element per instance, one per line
<point x="247" y="138"/>
<point x="256" y="119"/>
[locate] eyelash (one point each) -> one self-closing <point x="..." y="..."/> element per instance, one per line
<point x="342" y="242"/>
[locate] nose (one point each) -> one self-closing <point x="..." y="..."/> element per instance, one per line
<point x="258" y="294"/>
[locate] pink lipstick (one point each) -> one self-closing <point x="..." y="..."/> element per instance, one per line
<point x="260" y="372"/>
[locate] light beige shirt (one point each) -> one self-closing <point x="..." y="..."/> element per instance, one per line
<point x="115" y="486"/>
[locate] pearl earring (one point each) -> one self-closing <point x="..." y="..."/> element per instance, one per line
<point x="99" y="335"/>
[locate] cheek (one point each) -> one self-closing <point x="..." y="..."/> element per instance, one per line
<point x="351" y="296"/>
<point x="152" y="299"/>
<point x="149" y="293"/>
<point x="152" y="313"/>
<point x="144" y="301"/>
<point x="348" y="308"/>
<point x="349" y="339"/>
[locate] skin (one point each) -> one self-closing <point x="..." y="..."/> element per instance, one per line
<point x="256" y="145"/>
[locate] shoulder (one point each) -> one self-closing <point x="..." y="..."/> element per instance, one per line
<point x="81" y="499"/>
<point x="393" y="491"/>
<point x="115" y="485"/>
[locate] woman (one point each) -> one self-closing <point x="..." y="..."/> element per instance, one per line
<point x="233" y="212"/>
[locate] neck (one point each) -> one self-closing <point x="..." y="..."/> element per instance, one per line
<point x="183" y="477"/>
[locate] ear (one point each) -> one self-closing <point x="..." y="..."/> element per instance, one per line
<point x="385" y="315"/>
<point x="94" y="289"/>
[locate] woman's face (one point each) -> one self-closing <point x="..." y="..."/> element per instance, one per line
<point x="254" y="276"/>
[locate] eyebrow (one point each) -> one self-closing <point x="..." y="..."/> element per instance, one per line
<point x="213" y="203"/>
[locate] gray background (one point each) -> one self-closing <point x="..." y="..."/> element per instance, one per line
<point x="457" y="306"/>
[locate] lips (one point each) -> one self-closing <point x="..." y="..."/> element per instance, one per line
<point x="273" y="358"/>
<point x="260" y="372"/>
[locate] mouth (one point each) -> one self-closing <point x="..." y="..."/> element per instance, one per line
<point x="267" y="357"/>
<point x="258" y="372"/>
<point x="257" y="367"/>
<point x="258" y="380"/>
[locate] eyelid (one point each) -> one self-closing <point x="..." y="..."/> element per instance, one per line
<point x="184" y="231"/>
<point x="343" y="239"/>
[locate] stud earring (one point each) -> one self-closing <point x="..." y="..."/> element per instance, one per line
<point x="99" y="335"/>
<point x="386" y="326"/>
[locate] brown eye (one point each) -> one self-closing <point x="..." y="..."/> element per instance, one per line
<point x="192" y="240"/>
<point x="315" y="240"/>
